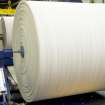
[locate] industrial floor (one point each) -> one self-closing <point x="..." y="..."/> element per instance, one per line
<point x="84" y="99"/>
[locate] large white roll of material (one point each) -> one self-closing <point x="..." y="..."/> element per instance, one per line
<point x="7" y="27"/>
<point x="64" y="49"/>
<point x="1" y="35"/>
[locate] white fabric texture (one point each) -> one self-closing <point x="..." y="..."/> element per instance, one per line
<point x="7" y="27"/>
<point x="1" y="35"/>
<point x="64" y="49"/>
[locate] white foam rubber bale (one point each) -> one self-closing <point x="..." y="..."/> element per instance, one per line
<point x="7" y="27"/>
<point x="1" y="31"/>
<point x="63" y="47"/>
<point x="1" y="35"/>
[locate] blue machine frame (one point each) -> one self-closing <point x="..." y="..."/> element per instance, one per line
<point x="6" y="59"/>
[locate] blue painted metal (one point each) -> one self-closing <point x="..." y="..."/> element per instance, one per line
<point x="6" y="57"/>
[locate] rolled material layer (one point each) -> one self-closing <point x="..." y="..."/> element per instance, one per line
<point x="7" y="27"/>
<point x="63" y="46"/>
<point x="1" y="35"/>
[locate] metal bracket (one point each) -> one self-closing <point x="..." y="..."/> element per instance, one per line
<point x="21" y="51"/>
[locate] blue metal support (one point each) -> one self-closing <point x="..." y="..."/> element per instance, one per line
<point x="6" y="57"/>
